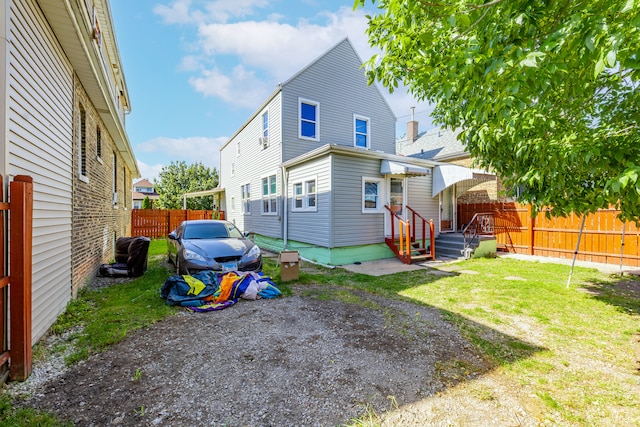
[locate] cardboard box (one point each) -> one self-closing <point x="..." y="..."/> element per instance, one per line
<point x="289" y="261"/>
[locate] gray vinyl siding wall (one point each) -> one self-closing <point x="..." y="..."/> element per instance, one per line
<point x="350" y="225"/>
<point x="312" y="227"/>
<point x="254" y="163"/>
<point x="339" y="85"/>
<point x="40" y="89"/>
<point x="419" y="198"/>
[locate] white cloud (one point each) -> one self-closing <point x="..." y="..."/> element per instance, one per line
<point x="182" y="12"/>
<point x="196" y="149"/>
<point x="149" y="172"/>
<point x="281" y="49"/>
<point x="242" y="62"/>
<point x="178" y="13"/>
<point x="242" y="88"/>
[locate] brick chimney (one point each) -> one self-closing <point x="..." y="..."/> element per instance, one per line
<point x="412" y="127"/>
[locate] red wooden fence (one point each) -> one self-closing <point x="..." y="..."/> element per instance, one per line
<point x="518" y="232"/>
<point x="157" y="223"/>
<point x="16" y="324"/>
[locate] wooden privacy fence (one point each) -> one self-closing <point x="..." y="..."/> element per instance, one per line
<point x="157" y="223"/>
<point x="16" y="288"/>
<point x="602" y="236"/>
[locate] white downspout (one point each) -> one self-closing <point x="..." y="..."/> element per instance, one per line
<point x="285" y="206"/>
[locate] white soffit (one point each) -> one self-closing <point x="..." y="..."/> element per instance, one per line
<point x="446" y="175"/>
<point x="389" y="167"/>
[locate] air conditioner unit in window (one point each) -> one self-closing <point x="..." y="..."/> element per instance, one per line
<point x="264" y="141"/>
<point x="115" y="198"/>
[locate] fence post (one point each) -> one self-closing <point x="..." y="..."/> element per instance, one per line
<point x="20" y="270"/>
<point x="532" y="225"/>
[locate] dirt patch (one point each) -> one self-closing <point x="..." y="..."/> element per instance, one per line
<point x="300" y="360"/>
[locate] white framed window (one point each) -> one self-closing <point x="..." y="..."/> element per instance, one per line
<point x="372" y="191"/>
<point x="245" y="191"/>
<point x="233" y="204"/>
<point x="238" y="149"/>
<point x="361" y="131"/>
<point x="233" y="169"/>
<point x="305" y="196"/>
<point x="265" y="124"/>
<point x="309" y="119"/>
<point x="269" y="195"/>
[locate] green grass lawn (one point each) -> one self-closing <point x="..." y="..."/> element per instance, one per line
<point x="572" y="351"/>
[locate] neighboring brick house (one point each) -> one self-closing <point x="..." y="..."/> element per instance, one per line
<point x="467" y="187"/>
<point x="63" y="109"/>
<point x="142" y="189"/>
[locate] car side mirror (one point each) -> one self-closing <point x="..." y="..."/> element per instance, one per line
<point x="172" y="236"/>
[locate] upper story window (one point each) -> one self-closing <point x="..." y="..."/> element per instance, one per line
<point x="309" y="115"/>
<point x="305" y="196"/>
<point x="269" y="196"/>
<point x="233" y="169"/>
<point x="238" y="149"/>
<point x="361" y="131"/>
<point x="265" y="125"/>
<point x="372" y="195"/>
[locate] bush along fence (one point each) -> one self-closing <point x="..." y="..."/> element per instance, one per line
<point x="157" y="223"/>
<point x="604" y="239"/>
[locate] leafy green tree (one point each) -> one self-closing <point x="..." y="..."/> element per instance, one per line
<point x="179" y="178"/>
<point x="146" y="203"/>
<point x="546" y="93"/>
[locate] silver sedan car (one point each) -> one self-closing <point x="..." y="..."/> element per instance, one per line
<point x="217" y="245"/>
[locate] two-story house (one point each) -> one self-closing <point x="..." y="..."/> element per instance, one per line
<point x="63" y="123"/>
<point x="314" y="166"/>
<point x="141" y="190"/>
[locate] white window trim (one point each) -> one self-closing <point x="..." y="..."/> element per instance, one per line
<point x="305" y="207"/>
<point x="266" y="111"/>
<point x="368" y="134"/>
<point x="243" y="201"/>
<point x="317" y="105"/>
<point x="381" y="192"/>
<point x="233" y="169"/>
<point x="82" y="121"/>
<point x="270" y="196"/>
<point x="238" y="149"/>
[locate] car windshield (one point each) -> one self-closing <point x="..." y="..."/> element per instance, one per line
<point x="214" y="230"/>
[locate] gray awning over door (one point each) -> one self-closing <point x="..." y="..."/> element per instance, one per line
<point x="390" y="167"/>
<point x="446" y="175"/>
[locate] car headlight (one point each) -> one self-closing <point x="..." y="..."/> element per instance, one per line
<point x="254" y="252"/>
<point x="191" y="255"/>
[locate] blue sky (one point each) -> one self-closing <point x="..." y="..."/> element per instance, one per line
<point x="197" y="69"/>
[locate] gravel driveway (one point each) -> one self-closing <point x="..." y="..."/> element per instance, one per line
<point x="295" y="361"/>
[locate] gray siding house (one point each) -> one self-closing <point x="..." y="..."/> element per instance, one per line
<point x="314" y="166"/>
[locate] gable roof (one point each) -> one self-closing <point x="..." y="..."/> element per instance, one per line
<point x="347" y="43"/>
<point x="143" y="183"/>
<point x="438" y="144"/>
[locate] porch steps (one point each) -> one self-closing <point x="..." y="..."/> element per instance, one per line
<point x="450" y="245"/>
<point x="417" y="253"/>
